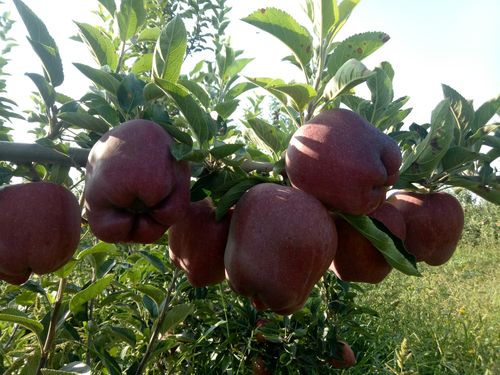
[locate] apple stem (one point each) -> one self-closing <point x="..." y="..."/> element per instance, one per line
<point x="52" y="326"/>
<point x="157" y="324"/>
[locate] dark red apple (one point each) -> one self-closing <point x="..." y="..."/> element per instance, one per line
<point x="344" y="161"/>
<point x="197" y="244"/>
<point x="356" y="258"/>
<point x="134" y="188"/>
<point x="434" y="224"/>
<point x="281" y="242"/>
<point x="348" y="357"/>
<point x="39" y="229"/>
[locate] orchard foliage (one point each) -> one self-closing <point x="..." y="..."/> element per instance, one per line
<point x="119" y="308"/>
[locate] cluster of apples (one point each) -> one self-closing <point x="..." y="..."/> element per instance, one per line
<point x="39" y="229"/>
<point x="277" y="241"/>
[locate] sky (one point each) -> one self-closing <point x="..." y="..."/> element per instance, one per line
<point x="455" y="42"/>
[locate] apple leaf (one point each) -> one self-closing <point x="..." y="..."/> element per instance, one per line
<point x="484" y="113"/>
<point x="152" y="291"/>
<point x="220" y="152"/>
<point x="101" y="78"/>
<point x="44" y="88"/>
<point x="458" y="156"/>
<point x="472" y="183"/>
<point x="239" y="89"/>
<point x="170" y="50"/>
<point x="429" y="152"/>
<point x="350" y="74"/>
<point x="90" y="292"/>
<point x="329" y="17"/>
<point x="42" y="43"/>
<point x="284" y="27"/>
<point x="130" y="93"/>
<point x="197" y="90"/>
<point x="149" y="35"/>
<point x="83" y="120"/>
<point x="198" y="119"/>
<point x="100" y="247"/>
<point x="357" y="46"/>
<point x="300" y="93"/>
<point x="462" y="110"/>
<point x="382" y="94"/>
<point x="232" y="196"/>
<point x="273" y="137"/>
<point x="154" y="261"/>
<point x="384" y="243"/>
<point x="130" y="17"/>
<point x="234" y="68"/>
<point x="143" y="64"/>
<point x="100" y="44"/>
<point x="176" y="315"/>
<point x="15" y="316"/>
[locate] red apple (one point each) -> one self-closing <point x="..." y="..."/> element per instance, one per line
<point x="39" y="229"/>
<point x="348" y="357"/>
<point x="197" y="244"/>
<point x="134" y="188"/>
<point x="344" y="161"/>
<point x="356" y="258"/>
<point x="434" y="224"/>
<point x="281" y="242"/>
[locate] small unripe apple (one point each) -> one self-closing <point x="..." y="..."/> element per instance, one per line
<point x="134" y="188"/>
<point x="39" y="229"/>
<point x="344" y="161"/>
<point x="348" y="357"/>
<point x="434" y="224"/>
<point x="356" y="258"/>
<point x="197" y="244"/>
<point x="281" y="242"/>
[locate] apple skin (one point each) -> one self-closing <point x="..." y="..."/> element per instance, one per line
<point x="197" y="244"/>
<point x="434" y="224"/>
<point x="134" y="188"/>
<point x="348" y="357"/>
<point x="281" y="242"/>
<point x="39" y="229"/>
<point x="356" y="258"/>
<point x="344" y="161"/>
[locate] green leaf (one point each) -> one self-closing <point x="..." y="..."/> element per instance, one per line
<point x="284" y="27"/>
<point x="491" y="194"/>
<point x="269" y="84"/>
<point x="100" y="45"/>
<point x="42" y="43"/>
<point x="383" y="242"/>
<point x="356" y="46"/>
<point x="349" y="75"/>
<point x="90" y="292"/>
<point x="301" y="93"/>
<point x="83" y="120"/>
<point x="457" y="156"/>
<point x="382" y="94"/>
<point x="77" y="368"/>
<point x="345" y="9"/>
<point x="170" y="50"/>
<point x="462" y="110"/>
<point x="157" y="294"/>
<point x="143" y="64"/>
<point x="149" y="35"/>
<point x="130" y="17"/>
<point x="197" y="90"/>
<point x="16" y="316"/>
<point x="239" y="89"/>
<point x="485" y="112"/>
<point x="193" y="113"/>
<point x="232" y="196"/>
<point x="220" y="152"/>
<point x="101" y="78"/>
<point x="234" y="68"/>
<point x="130" y="93"/>
<point x="329" y="16"/>
<point x="154" y="261"/>
<point x="176" y="315"/>
<point x="429" y="152"/>
<point x="273" y="137"/>
<point x="181" y="151"/>
<point x="100" y="247"/>
<point x="226" y="109"/>
<point x="44" y="88"/>
<point x="109" y="5"/>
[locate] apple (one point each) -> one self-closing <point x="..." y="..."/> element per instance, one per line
<point x="197" y="244"/>
<point x="356" y="258"/>
<point x="39" y="229"/>
<point x="281" y="241"/>
<point x="134" y="188"/>
<point x="348" y="357"/>
<point x="434" y="224"/>
<point x="344" y="161"/>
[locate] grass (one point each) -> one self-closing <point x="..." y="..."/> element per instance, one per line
<point x="446" y="322"/>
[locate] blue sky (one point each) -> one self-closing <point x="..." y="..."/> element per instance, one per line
<point x="432" y="42"/>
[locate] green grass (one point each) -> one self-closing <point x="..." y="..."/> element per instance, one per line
<point x="446" y="322"/>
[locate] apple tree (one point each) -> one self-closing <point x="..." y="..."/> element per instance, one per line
<point x="225" y="219"/>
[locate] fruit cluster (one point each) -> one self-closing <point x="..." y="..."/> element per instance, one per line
<point x="277" y="242"/>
